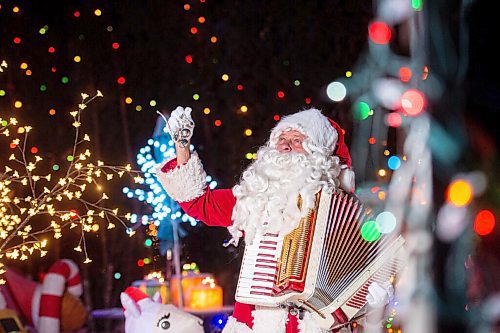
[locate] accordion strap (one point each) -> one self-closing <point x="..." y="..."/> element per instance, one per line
<point x="312" y="307"/>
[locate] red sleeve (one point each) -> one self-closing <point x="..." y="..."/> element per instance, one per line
<point x="169" y="165"/>
<point x="214" y="207"/>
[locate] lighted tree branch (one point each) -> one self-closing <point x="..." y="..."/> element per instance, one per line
<point x="35" y="205"/>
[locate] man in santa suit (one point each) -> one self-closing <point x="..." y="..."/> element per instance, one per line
<point x="305" y="153"/>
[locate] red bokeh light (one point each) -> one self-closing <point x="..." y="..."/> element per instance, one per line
<point x="484" y="223"/>
<point x="217" y="123"/>
<point x="413" y="102"/>
<point x="239" y="87"/>
<point x="276" y="117"/>
<point x="34" y="150"/>
<point x="121" y="80"/>
<point x="76" y="13"/>
<point x="194" y="30"/>
<point x="52" y="49"/>
<point x="188" y="58"/>
<point x="394" y="119"/>
<point x="115" y="45"/>
<point x="405" y="74"/>
<point x="17" y="40"/>
<point x="379" y="32"/>
<point x="281" y="94"/>
<point x="308" y="100"/>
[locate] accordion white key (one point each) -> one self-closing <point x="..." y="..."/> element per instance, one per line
<point x="324" y="265"/>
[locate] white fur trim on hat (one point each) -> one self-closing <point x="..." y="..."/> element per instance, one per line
<point x="313" y="124"/>
<point x="269" y="320"/>
<point x="185" y="182"/>
<point x="234" y="326"/>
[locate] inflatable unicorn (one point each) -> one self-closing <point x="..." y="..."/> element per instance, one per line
<point x="144" y="314"/>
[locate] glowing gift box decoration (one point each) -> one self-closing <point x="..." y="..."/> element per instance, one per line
<point x="205" y="296"/>
<point x="152" y="283"/>
<point x="189" y="281"/>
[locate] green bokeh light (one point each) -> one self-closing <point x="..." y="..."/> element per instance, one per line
<point x="370" y="231"/>
<point x="361" y="111"/>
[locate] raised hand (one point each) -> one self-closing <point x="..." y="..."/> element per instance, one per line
<point x="180" y="125"/>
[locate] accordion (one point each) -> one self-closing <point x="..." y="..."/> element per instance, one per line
<point x="324" y="265"/>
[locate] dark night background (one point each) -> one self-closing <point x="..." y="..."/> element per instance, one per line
<point x="264" y="46"/>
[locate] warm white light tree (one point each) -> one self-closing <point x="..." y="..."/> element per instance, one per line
<point x="36" y="206"/>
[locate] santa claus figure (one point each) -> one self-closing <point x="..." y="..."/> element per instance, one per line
<point x="305" y="153"/>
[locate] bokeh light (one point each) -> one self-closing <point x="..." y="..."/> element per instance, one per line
<point x="394" y="119"/>
<point x="361" y="110"/>
<point x="386" y="221"/>
<point x="336" y="91"/>
<point x="379" y="32"/>
<point x="394" y="162"/>
<point x="405" y="74"/>
<point x="413" y="102"/>
<point x="370" y="231"/>
<point x="459" y="193"/>
<point x="484" y="223"/>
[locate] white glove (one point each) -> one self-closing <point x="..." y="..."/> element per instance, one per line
<point x="180" y="125"/>
<point x="379" y="295"/>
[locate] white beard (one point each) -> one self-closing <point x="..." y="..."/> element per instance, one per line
<point x="267" y="196"/>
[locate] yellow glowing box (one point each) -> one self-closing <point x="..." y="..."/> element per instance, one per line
<point x="203" y="297"/>
<point x="189" y="281"/>
<point x="199" y="290"/>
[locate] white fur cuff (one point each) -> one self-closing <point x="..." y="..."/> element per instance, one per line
<point x="269" y="320"/>
<point x="309" y="325"/>
<point x="234" y="326"/>
<point x="346" y="178"/>
<point x="184" y="182"/>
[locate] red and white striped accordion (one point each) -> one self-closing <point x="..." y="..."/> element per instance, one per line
<point x="324" y="265"/>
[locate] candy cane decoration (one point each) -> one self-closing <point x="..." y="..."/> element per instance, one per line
<point x="63" y="275"/>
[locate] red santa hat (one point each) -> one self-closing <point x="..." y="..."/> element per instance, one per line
<point x="324" y="133"/>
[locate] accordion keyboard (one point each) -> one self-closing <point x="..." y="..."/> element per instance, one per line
<point x="258" y="271"/>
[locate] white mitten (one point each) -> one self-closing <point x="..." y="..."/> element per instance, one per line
<point x="379" y="295"/>
<point x="180" y="125"/>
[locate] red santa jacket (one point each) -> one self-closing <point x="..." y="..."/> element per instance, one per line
<point x="214" y="208"/>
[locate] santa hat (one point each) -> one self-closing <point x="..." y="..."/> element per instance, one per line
<point x="324" y="133"/>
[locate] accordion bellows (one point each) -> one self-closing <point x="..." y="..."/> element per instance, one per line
<point x="324" y="265"/>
